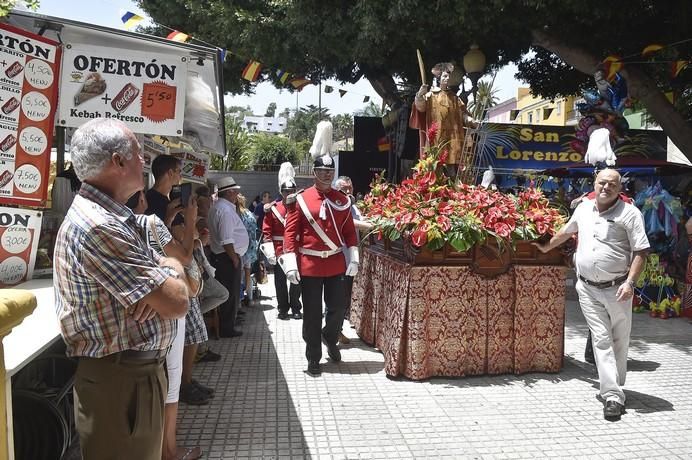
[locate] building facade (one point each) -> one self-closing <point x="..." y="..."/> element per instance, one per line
<point x="267" y="125"/>
<point x="534" y="110"/>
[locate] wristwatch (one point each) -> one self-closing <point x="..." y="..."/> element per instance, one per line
<point x="172" y="272"/>
<point x="631" y="283"/>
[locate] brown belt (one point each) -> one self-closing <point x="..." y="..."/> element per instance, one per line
<point x="604" y="284"/>
<point x="137" y="355"/>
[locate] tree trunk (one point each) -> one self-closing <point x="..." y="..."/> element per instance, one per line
<point x="384" y="86"/>
<point x="640" y="86"/>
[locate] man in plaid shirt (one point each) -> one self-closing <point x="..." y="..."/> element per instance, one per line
<point x="116" y="301"/>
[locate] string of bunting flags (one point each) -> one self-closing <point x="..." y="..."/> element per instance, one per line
<point x="613" y="64"/>
<point x="252" y="70"/>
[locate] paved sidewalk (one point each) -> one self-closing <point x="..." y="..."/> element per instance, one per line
<point x="267" y="407"/>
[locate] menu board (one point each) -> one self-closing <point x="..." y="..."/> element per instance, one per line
<point x="194" y="166"/>
<point x="143" y="90"/>
<point x="29" y="68"/>
<point x="19" y="234"/>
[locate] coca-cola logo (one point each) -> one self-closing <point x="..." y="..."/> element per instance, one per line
<point x="5" y="178"/>
<point x="10" y="105"/>
<point x="8" y="142"/>
<point x="14" y="70"/>
<point x="129" y="94"/>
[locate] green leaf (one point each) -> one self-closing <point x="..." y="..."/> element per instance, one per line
<point x="459" y="243"/>
<point x="435" y="244"/>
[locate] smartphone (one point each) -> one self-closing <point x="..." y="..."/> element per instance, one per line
<point x="185" y="193"/>
<point x="175" y="192"/>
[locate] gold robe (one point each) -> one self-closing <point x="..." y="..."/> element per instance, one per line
<point x="447" y="110"/>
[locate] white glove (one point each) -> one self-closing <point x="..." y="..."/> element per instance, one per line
<point x="352" y="260"/>
<point x="288" y="263"/>
<point x="268" y="251"/>
<point x="293" y="277"/>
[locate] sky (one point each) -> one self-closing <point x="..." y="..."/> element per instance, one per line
<point x="108" y="13"/>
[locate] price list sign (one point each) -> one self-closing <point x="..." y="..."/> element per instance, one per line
<point x="29" y="67"/>
<point x="143" y="90"/>
<point x="19" y="234"/>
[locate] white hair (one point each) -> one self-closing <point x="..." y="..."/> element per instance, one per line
<point x="341" y="181"/>
<point x="94" y="143"/>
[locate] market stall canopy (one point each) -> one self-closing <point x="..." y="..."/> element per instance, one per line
<point x="633" y="166"/>
<point x="154" y="85"/>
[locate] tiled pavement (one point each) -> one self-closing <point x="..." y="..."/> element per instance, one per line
<point x="267" y="407"/>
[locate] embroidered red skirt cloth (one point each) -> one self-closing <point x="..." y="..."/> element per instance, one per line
<point x="447" y="321"/>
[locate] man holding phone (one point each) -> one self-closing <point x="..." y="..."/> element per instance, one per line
<point x="167" y="171"/>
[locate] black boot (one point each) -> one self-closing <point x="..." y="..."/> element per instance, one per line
<point x="314" y="367"/>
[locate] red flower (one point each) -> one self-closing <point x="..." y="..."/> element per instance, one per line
<point x="444" y="223"/>
<point x="428" y="179"/>
<point x="419" y="238"/>
<point x="427" y="212"/>
<point x="502" y="229"/>
<point x="542" y="227"/>
<point x="432" y="133"/>
<point x="445" y="209"/>
<point x="443" y="156"/>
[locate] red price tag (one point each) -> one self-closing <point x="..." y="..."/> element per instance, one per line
<point x="158" y="101"/>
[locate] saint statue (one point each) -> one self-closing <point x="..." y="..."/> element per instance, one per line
<point x="441" y="105"/>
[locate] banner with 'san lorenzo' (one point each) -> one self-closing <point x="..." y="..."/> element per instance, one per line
<point x="146" y="92"/>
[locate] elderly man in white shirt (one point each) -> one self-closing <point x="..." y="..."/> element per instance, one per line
<point x="228" y="242"/>
<point x="609" y="259"/>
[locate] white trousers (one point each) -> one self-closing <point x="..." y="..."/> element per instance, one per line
<point x="174" y="363"/>
<point x="610" y="322"/>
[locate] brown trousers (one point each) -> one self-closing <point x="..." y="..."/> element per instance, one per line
<point x="120" y="408"/>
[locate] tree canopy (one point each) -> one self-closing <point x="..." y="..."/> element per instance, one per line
<point x="378" y="40"/>
<point x="7" y="5"/>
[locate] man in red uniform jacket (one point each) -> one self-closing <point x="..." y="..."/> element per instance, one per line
<point x="320" y="250"/>
<point x="272" y="247"/>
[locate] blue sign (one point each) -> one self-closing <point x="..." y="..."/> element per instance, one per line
<point x="537" y="147"/>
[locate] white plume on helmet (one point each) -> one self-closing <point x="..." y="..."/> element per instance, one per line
<point x="322" y="143"/>
<point x="287" y="176"/>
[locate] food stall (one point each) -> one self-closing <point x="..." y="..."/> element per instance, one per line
<point x="450" y="284"/>
<point x="59" y="74"/>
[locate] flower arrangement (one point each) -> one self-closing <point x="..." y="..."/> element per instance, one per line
<point x="430" y="210"/>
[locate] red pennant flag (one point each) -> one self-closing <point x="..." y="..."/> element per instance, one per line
<point x="178" y="36"/>
<point x="252" y="71"/>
